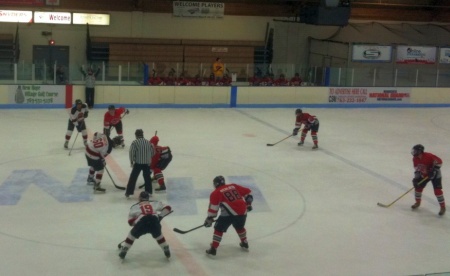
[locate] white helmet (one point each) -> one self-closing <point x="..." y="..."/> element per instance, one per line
<point x="98" y="135"/>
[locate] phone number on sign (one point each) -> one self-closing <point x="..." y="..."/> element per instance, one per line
<point x="39" y="101"/>
<point x="344" y="99"/>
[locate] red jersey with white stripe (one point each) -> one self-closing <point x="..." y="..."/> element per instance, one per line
<point x="111" y="120"/>
<point x="424" y="163"/>
<point x="230" y="199"/>
<point x="306" y="119"/>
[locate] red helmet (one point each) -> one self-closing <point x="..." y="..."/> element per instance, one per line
<point x="154" y="140"/>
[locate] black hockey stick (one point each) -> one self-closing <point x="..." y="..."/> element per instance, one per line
<point x="114" y="183"/>
<point x="190" y="230"/>
<point x="120" y="243"/>
<point x="388" y="205"/>
<point x="270" y="145"/>
<point x="73" y="143"/>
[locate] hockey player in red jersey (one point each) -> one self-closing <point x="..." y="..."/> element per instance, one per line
<point x="76" y="120"/>
<point x="145" y="218"/>
<point x="113" y="118"/>
<point x="96" y="152"/>
<point x="160" y="160"/>
<point x="234" y="201"/>
<point x="310" y="122"/>
<point x="427" y="167"/>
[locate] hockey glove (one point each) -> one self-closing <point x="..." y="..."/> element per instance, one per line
<point x="295" y="131"/>
<point x="208" y="222"/>
<point x="249" y="208"/>
<point x="86" y="114"/>
<point x="127" y="111"/>
<point x="103" y="162"/>
<point x="433" y="173"/>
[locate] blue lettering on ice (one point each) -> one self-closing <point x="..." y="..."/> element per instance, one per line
<point x="16" y="184"/>
<point x="182" y="196"/>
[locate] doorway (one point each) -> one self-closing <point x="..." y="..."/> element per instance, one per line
<point x="51" y="63"/>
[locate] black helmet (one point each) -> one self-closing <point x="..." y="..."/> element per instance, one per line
<point x="218" y="181"/>
<point x="111" y="107"/>
<point x="298" y="111"/>
<point x="139" y="133"/>
<point x="417" y="149"/>
<point x="144" y="196"/>
<point x="78" y="101"/>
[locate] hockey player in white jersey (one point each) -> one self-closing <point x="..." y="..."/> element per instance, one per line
<point x="145" y="218"/>
<point x="76" y="120"/>
<point x="96" y="152"/>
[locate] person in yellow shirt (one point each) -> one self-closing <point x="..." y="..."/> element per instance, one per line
<point x="218" y="69"/>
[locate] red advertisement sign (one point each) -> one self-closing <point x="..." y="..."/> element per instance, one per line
<point x="23" y="2"/>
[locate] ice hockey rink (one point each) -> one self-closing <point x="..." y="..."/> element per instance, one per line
<point x="315" y="211"/>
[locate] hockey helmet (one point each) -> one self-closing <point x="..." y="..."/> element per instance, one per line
<point x="78" y="101"/>
<point x="417" y="149"/>
<point x="139" y="133"/>
<point x="298" y="111"/>
<point x="144" y="196"/>
<point x="98" y="135"/>
<point x="111" y="107"/>
<point x="218" y="181"/>
<point x="154" y="140"/>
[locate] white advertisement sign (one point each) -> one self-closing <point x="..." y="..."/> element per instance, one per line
<point x="416" y="55"/>
<point x="91" y="19"/>
<point x="444" y="55"/>
<point x="371" y="53"/>
<point x="16" y="16"/>
<point x="363" y="95"/>
<point x="198" y="9"/>
<point x="37" y="94"/>
<point x="53" y="17"/>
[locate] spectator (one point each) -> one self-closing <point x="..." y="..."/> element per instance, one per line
<point x="281" y="81"/>
<point x="218" y="69"/>
<point x="90" y="77"/>
<point x="296" y="80"/>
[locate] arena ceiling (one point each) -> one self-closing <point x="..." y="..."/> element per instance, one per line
<point x="437" y="11"/>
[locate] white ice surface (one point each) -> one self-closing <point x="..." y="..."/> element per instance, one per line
<point x="323" y="217"/>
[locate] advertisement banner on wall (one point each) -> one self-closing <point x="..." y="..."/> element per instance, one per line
<point x="53" y="17"/>
<point x="371" y="53"/>
<point x="37" y="94"/>
<point x="16" y="16"/>
<point x="198" y="9"/>
<point x="91" y="19"/>
<point x="416" y="55"/>
<point x="363" y="95"/>
<point x="444" y="55"/>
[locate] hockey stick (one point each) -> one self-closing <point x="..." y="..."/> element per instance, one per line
<point x="270" y="145"/>
<point x="120" y="243"/>
<point x="73" y="143"/>
<point x="114" y="183"/>
<point x="190" y="230"/>
<point x="388" y="205"/>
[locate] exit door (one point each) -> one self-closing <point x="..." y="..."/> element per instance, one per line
<point x="51" y="63"/>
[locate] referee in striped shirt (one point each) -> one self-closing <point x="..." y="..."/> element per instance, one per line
<point x="141" y="153"/>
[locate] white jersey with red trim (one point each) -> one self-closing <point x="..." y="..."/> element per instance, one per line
<point x="145" y="208"/>
<point x="99" y="147"/>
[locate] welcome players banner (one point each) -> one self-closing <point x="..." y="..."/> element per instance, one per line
<point x="198" y="9"/>
<point x="364" y="95"/>
<point x="416" y="55"/>
<point x="37" y="94"/>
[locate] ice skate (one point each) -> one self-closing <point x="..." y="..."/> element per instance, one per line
<point x="244" y="245"/>
<point x="442" y="211"/>
<point x="161" y="188"/>
<point x="315" y="146"/>
<point x="97" y="188"/>
<point x="415" y="205"/>
<point x="123" y="252"/>
<point x="212" y="251"/>
<point x="66" y="144"/>
<point x="300" y="144"/>
<point x="90" y="180"/>
<point x="166" y="251"/>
